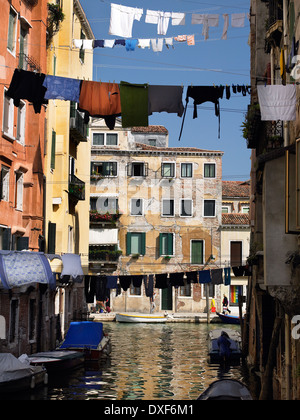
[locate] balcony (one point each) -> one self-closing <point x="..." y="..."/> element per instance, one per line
<point x="103" y="258"/>
<point x="76" y="188"/>
<point x="78" y="128"/>
<point x="274" y="24"/>
<point x="109" y="219"/>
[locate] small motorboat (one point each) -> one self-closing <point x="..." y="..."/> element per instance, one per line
<point x="137" y="317"/>
<point x="57" y="361"/>
<point x="18" y="375"/>
<point x="226" y="389"/>
<point x="88" y="338"/>
<point x="229" y="319"/>
<point x="235" y="346"/>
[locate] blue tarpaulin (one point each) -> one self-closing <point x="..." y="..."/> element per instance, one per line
<point x="84" y="334"/>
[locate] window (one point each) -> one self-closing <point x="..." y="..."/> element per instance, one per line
<point x="12" y="26"/>
<point x="19" y="191"/>
<point x="168" y="208"/>
<point x="13" y="320"/>
<point x="8" y="116"/>
<point x="5" y="183"/>
<point x="105" y="168"/>
<point x="21" y="123"/>
<point x="53" y="147"/>
<point x="104" y="204"/>
<point x="186" y="290"/>
<point x="136" y="207"/>
<point x="152" y="142"/>
<point x="81" y="51"/>
<point x="23" y="46"/>
<point x="225" y="210"/>
<point x="209" y="208"/>
<point x="186" y="170"/>
<point x="186" y="208"/>
<point x="245" y="209"/>
<point x="209" y="170"/>
<point x="137" y="169"/>
<point x="197" y="249"/>
<point x="136" y="243"/>
<point x="166" y="244"/>
<point x="135" y="291"/>
<point x="105" y="139"/>
<point x="168" y="170"/>
<point x="235" y="253"/>
<point x="51" y="237"/>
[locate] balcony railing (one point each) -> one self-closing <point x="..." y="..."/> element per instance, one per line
<point x="78" y="129"/>
<point x="28" y="63"/>
<point x="76" y="187"/>
<point x="107" y="218"/>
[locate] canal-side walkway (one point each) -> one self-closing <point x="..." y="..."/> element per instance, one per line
<point x="196" y="318"/>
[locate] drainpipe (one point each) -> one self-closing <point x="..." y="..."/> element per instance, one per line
<point x="288" y="357"/>
<point x="285" y="45"/>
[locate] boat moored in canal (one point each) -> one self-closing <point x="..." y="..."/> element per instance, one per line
<point x="229" y="319"/>
<point x="226" y="389"/>
<point x="88" y="338"/>
<point x="234" y="345"/>
<point x="140" y="318"/>
<point x="57" y="361"/>
<point x="17" y="375"/>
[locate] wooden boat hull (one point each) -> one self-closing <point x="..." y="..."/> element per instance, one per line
<point x="28" y="383"/>
<point x="140" y="318"/>
<point x="57" y="360"/>
<point x="226" y="389"/>
<point x="229" y="319"/>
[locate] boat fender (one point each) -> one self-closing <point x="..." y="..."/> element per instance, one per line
<point x="32" y="383"/>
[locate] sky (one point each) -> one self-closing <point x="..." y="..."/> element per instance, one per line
<point x="207" y="63"/>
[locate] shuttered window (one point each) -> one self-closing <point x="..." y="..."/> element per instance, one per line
<point x="136" y="243"/>
<point x="197" y="252"/>
<point x="166" y="244"/>
<point x="53" y="147"/>
<point x="51" y="237"/>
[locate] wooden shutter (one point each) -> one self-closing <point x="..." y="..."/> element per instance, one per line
<point x="51" y="237"/>
<point x="6" y="240"/>
<point x="197" y="252"/>
<point x="235" y="253"/>
<point x="53" y="147"/>
<point x="143" y="243"/>
<point x="128" y="243"/>
<point x="22" y="243"/>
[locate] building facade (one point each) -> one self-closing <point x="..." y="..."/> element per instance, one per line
<point x="273" y="298"/>
<point x="235" y="239"/>
<point x="167" y="205"/>
<point x="23" y="46"/>
<point x="67" y="167"/>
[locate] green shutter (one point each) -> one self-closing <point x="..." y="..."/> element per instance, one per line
<point x="160" y="244"/>
<point x="170" y="244"/>
<point x="51" y="237"/>
<point x="128" y="243"/>
<point x="53" y="147"/>
<point x="143" y="243"/>
<point x="197" y="252"/>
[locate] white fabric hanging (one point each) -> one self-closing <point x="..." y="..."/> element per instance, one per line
<point x="122" y="18"/>
<point x="207" y="21"/>
<point x="277" y="102"/>
<point x="226" y="25"/>
<point x="178" y="18"/>
<point x="157" y="44"/>
<point x="85" y="44"/>
<point x="109" y="43"/>
<point x="161" y="19"/>
<point x="238" y="20"/>
<point x="144" y="43"/>
<point x="169" y="42"/>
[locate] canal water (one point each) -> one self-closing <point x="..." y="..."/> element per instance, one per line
<point x="148" y="362"/>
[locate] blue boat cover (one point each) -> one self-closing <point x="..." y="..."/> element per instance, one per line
<point x="84" y="334"/>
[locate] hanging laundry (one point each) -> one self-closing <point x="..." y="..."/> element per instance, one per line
<point x="161" y="281"/>
<point x="109" y="43"/>
<point x="72" y="267"/>
<point x="100" y="100"/>
<point x="125" y="282"/>
<point x="216" y="276"/>
<point x="204" y="276"/>
<point x="227" y="276"/>
<point x="63" y="88"/>
<point x="282" y="66"/>
<point x="120" y="42"/>
<point x="190" y="39"/>
<point x="226" y="25"/>
<point x="144" y="43"/>
<point x="238" y="20"/>
<point x="161" y="19"/>
<point x="207" y="21"/>
<point x="90" y="288"/>
<point x="149" y="284"/>
<point x="165" y="99"/>
<point x="157" y="44"/>
<point x="85" y="44"/>
<point x="137" y="280"/>
<point x="134" y="104"/>
<point x="277" y="102"/>
<point x="169" y="42"/>
<point x="122" y="18"/>
<point x="130" y="44"/>
<point x="202" y="94"/>
<point x="176" y="279"/>
<point x="112" y="282"/>
<point x="192" y="277"/>
<point x="99" y="43"/>
<point x="28" y="85"/>
<point x="178" y="18"/>
<point x="180" y="38"/>
<point x="101" y="282"/>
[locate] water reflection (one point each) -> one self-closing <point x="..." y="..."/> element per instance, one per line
<point x="148" y="362"/>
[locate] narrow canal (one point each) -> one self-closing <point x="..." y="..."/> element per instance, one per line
<point x="148" y="362"/>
